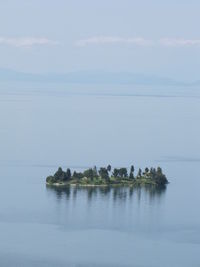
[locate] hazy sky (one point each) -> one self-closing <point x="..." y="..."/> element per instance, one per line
<point x="151" y="37"/>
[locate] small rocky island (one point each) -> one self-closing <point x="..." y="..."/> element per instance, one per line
<point x="108" y="177"/>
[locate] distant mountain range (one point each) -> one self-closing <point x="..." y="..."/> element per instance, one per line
<point x="90" y="77"/>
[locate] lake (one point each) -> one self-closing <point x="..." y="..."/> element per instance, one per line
<point x="44" y="126"/>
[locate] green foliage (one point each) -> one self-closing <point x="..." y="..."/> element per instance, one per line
<point x="50" y="179"/>
<point x="90" y="173"/>
<point x="109" y="168"/>
<point x="131" y="176"/>
<point x="160" y="178"/>
<point x="115" y="173"/>
<point x="103" y="172"/>
<point x="120" y="173"/>
<point x="139" y="173"/>
<point x="120" y="176"/>
<point x="68" y="174"/>
<point x="77" y="175"/>
<point x="132" y="169"/>
<point x="95" y="171"/>
<point x="123" y="172"/>
<point x="60" y="175"/>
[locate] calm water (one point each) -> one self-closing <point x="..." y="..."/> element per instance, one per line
<point x="42" y="128"/>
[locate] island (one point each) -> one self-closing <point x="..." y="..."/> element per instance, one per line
<point x="105" y="176"/>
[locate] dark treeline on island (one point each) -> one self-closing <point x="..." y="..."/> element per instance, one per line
<point x="108" y="176"/>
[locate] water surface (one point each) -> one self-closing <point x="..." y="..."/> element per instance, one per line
<point x="45" y="127"/>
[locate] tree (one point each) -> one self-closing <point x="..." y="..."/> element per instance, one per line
<point x="50" y="180"/>
<point x="68" y="174"/>
<point x="132" y="169"/>
<point x="89" y="174"/>
<point x="109" y="168"/>
<point x="146" y="170"/>
<point x="95" y="172"/>
<point x="59" y="175"/>
<point x="77" y="175"/>
<point x="74" y="175"/>
<point x="160" y="178"/>
<point x="120" y="173"/>
<point x="123" y="172"/>
<point x="152" y="173"/>
<point x="115" y="173"/>
<point x="131" y="176"/>
<point x="139" y="173"/>
<point x="159" y="170"/>
<point x="103" y="172"/>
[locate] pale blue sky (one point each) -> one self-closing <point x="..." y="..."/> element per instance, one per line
<point x="150" y="37"/>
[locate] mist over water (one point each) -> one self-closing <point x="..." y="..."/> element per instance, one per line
<point x="79" y="127"/>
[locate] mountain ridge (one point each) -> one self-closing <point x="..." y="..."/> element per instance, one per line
<point x="90" y="77"/>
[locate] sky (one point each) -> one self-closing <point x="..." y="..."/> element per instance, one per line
<point x="153" y="37"/>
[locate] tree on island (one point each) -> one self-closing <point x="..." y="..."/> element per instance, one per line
<point x="115" y="172"/>
<point x="95" y="171"/>
<point x="120" y="173"/>
<point x="123" y="173"/>
<point x="89" y="174"/>
<point x="139" y="173"/>
<point x="60" y="175"/>
<point x="109" y="168"/>
<point x="131" y="175"/>
<point x="103" y="172"/>
<point x="160" y="178"/>
<point x="77" y="175"/>
<point x="132" y="169"/>
<point x="68" y="174"/>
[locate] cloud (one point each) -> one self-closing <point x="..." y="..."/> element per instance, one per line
<point x="138" y="41"/>
<point x="26" y="41"/>
<point x="179" y="42"/>
<point x="103" y="40"/>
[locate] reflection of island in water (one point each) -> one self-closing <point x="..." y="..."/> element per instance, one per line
<point x="153" y="193"/>
<point x="121" y="207"/>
